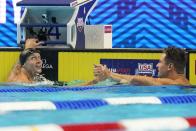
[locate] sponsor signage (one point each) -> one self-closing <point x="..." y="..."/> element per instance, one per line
<point x="131" y="66"/>
<point x="80" y="24"/>
<point x="50" y="64"/>
<point x="195" y="67"/>
<point x="108" y="29"/>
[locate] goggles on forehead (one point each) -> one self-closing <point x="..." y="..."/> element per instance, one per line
<point x="26" y="53"/>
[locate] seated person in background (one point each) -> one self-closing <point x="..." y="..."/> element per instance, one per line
<point x="29" y="67"/>
<point x="170" y="71"/>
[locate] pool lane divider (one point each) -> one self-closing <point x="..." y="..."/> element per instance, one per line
<point x="94" y="103"/>
<point x="52" y="89"/>
<point x="165" y="123"/>
<point x="44" y="89"/>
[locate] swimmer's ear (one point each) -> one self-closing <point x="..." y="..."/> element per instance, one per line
<point x="170" y="66"/>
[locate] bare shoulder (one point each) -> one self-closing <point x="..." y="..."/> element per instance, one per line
<point x="165" y="81"/>
<point x="14" y="73"/>
<point x="179" y="81"/>
<point x="19" y="77"/>
<point x="182" y="81"/>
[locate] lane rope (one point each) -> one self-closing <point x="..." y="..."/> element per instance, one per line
<point x="178" y="123"/>
<point x="94" y="103"/>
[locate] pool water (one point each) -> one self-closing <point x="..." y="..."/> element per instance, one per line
<point x="109" y="113"/>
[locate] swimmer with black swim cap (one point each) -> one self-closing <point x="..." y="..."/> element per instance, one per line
<point x="26" y="53"/>
<point x="30" y="64"/>
<point x="29" y="68"/>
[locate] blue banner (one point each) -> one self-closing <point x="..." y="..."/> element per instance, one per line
<point x="131" y="66"/>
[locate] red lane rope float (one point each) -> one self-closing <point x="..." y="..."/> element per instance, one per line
<point x="168" y="123"/>
<point x="191" y="121"/>
<point x="165" y="123"/>
<point x="96" y="126"/>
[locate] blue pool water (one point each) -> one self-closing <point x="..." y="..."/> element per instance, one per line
<point x="16" y="93"/>
<point x="99" y="114"/>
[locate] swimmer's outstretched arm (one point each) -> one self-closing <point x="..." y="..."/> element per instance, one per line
<point x="120" y="77"/>
<point x="104" y="72"/>
<point x="142" y="80"/>
<point x="92" y="82"/>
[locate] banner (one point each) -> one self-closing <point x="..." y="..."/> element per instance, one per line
<point x="192" y="68"/>
<point x="131" y="66"/>
<point x="79" y="65"/>
<point x="50" y="64"/>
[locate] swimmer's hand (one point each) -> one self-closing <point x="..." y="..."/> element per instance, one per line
<point x="32" y="43"/>
<point x="101" y="72"/>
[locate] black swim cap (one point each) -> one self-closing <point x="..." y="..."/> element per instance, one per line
<point x="26" y="53"/>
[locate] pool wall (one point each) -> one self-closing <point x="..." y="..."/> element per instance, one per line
<point x="68" y="65"/>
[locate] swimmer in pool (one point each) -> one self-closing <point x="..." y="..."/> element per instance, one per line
<point x="170" y="71"/>
<point x="29" y="67"/>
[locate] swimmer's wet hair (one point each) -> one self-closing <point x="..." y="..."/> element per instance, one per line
<point x="177" y="56"/>
<point x="26" y="53"/>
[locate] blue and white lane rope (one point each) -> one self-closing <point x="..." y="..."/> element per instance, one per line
<point x="45" y="89"/>
<point x="94" y="103"/>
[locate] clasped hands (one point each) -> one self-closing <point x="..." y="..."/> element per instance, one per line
<point x="101" y="72"/>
